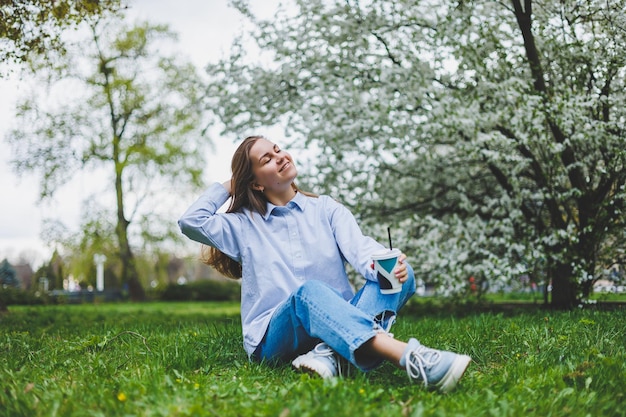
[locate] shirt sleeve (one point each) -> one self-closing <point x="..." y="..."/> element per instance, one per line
<point x="356" y="248"/>
<point x="202" y="223"/>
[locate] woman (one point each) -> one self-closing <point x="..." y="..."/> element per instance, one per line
<point x="290" y="248"/>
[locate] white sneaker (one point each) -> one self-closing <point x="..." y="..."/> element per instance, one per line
<point x="438" y="369"/>
<point x="321" y="360"/>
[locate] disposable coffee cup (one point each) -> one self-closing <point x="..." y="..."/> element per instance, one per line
<point x="384" y="263"/>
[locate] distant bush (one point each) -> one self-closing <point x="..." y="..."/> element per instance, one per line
<point x="16" y="296"/>
<point x="205" y="290"/>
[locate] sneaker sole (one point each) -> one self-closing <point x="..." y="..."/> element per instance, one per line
<point x="456" y="371"/>
<point x="312" y="368"/>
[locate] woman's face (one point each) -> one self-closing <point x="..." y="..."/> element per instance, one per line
<point x="273" y="168"/>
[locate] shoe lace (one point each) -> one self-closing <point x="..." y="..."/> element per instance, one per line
<point x="322" y="349"/>
<point x="418" y="360"/>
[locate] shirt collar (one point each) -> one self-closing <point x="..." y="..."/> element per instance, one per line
<point x="298" y="201"/>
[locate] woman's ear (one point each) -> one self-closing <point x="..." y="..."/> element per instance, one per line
<point x="256" y="187"/>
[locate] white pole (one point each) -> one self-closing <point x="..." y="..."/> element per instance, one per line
<point x="99" y="260"/>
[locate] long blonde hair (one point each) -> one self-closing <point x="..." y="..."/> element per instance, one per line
<point x="243" y="197"/>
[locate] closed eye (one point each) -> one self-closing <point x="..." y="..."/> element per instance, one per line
<point x="268" y="157"/>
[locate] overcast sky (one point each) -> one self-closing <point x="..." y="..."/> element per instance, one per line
<point x="206" y="29"/>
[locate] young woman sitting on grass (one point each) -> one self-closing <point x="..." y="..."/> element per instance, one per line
<point x="290" y="248"/>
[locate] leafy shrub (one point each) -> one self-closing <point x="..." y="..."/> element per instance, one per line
<point x="16" y="296"/>
<point x="205" y="290"/>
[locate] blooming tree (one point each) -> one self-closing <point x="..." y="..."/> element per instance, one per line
<point x="489" y="133"/>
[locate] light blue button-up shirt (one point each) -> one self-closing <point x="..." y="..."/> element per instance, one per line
<point x="309" y="238"/>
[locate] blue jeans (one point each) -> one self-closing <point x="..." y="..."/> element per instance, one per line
<point x="316" y="312"/>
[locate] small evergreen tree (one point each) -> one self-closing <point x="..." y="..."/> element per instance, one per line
<point x="8" y="275"/>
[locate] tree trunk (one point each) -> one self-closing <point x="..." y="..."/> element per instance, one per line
<point x="563" y="287"/>
<point x="130" y="274"/>
<point x="586" y="287"/>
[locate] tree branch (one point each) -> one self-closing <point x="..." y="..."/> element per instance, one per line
<point x="386" y="45"/>
<point x="524" y="21"/>
<point x="538" y="176"/>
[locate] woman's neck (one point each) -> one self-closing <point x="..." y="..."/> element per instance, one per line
<point x="282" y="198"/>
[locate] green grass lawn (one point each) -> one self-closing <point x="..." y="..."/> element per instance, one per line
<point x="186" y="359"/>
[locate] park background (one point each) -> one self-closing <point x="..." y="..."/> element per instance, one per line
<point x="206" y="31"/>
<point x="488" y="135"/>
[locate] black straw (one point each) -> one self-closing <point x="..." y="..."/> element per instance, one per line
<point x="389" y="234"/>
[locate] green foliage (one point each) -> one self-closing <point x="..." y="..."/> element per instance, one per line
<point x="164" y="359"/>
<point x="14" y="296"/>
<point x="34" y="27"/>
<point x="203" y="290"/>
<point x="136" y="112"/>
<point x="53" y="271"/>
